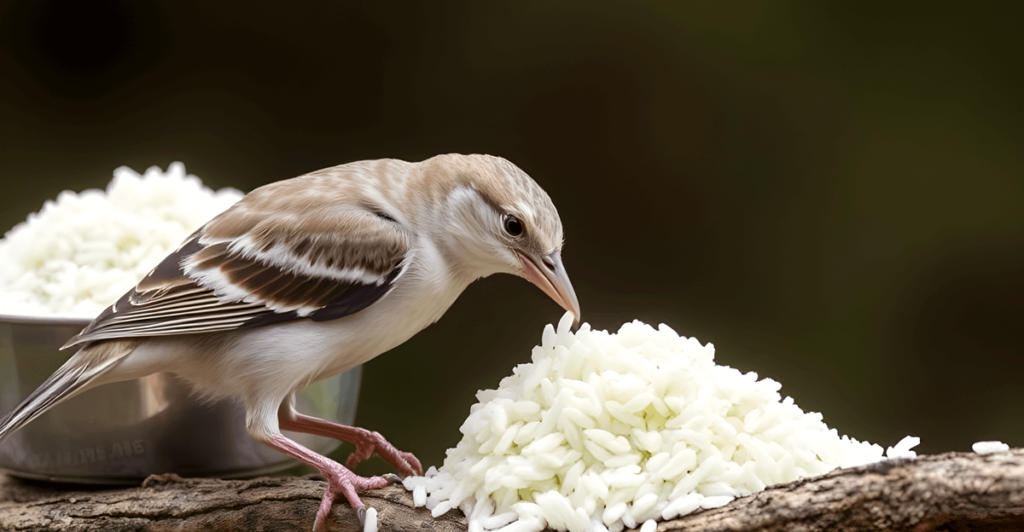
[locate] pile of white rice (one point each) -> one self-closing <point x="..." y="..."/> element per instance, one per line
<point x="607" y="431"/>
<point x="81" y="252"/>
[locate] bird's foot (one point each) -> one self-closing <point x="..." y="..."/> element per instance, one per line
<point x="342" y="481"/>
<point x="165" y="478"/>
<point x="369" y="443"/>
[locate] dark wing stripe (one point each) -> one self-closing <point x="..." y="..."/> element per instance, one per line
<point x="199" y="318"/>
<point x="149" y="313"/>
<point x="205" y="308"/>
<point x="169" y="268"/>
<point x="276" y="290"/>
<point x="262" y="277"/>
<point x="189" y="301"/>
<point x="305" y="291"/>
<point x="243" y="270"/>
<point x="270" y="318"/>
<point x="225" y="324"/>
<point x="206" y="327"/>
<point x="336" y="293"/>
<point x="167" y="297"/>
<point x="279" y="289"/>
<point x="213" y="319"/>
<point x="210" y="257"/>
<point x="353" y="302"/>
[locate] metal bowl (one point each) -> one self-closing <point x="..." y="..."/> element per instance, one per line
<point x="121" y="433"/>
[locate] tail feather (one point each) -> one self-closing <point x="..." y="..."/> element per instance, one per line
<point x="72" y="378"/>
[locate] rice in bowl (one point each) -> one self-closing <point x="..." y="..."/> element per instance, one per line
<point x="80" y="252"/>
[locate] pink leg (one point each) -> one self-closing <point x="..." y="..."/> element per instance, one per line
<point x="340" y="481"/>
<point x="367" y="442"/>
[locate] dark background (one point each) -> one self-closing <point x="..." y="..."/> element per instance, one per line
<point x="831" y="193"/>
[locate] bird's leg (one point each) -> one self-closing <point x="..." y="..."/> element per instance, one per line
<point x="340" y="480"/>
<point x="367" y="442"/>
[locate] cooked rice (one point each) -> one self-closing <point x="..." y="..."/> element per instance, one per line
<point x="370" y="525"/>
<point x="79" y="253"/>
<point x="607" y="431"/>
<point x="986" y="447"/>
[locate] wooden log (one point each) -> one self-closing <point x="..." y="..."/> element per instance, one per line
<point x="952" y="491"/>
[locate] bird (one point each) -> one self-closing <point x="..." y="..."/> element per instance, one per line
<point x="309" y="277"/>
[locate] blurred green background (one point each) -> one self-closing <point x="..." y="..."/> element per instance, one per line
<point x="831" y="193"/>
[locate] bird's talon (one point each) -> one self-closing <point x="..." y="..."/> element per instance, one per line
<point x="392" y="478"/>
<point x="361" y="512"/>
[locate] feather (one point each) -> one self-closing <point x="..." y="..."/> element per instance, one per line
<point x="69" y="380"/>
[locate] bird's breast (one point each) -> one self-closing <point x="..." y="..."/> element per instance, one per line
<point x="408" y="309"/>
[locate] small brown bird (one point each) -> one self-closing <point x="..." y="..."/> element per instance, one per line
<point x="309" y="277"/>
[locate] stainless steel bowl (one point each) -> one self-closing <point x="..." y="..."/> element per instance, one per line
<point x="123" y="432"/>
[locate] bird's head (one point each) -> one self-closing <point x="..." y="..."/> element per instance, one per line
<point x="494" y="218"/>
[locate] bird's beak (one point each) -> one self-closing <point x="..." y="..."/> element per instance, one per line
<point x="549" y="275"/>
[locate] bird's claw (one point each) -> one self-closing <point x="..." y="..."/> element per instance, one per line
<point x="341" y="481"/>
<point x="392" y="478"/>
<point x="372" y="443"/>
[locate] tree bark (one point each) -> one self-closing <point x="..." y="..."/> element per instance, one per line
<point x="952" y="492"/>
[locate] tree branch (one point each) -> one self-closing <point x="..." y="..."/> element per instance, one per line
<point x="952" y="491"/>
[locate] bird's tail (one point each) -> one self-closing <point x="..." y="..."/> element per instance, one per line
<point x="74" y="377"/>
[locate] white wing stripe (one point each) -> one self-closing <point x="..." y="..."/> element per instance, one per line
<point x="215" y="280"/>
<point x="283" y="258"/>
<point x="182" y="312"/>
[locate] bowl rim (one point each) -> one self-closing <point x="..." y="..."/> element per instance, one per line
<point x="37" y="319"/>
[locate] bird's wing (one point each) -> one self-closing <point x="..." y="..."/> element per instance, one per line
<point x="272" y="258"/>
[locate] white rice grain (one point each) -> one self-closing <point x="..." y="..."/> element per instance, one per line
<point x="684" y="505"/>
<point x="986" y="447"/>
<point x="441" y="509"/>
<point x="370" y="525"/>
<point x="500" y="520"/>
<point x="903" y="448"/>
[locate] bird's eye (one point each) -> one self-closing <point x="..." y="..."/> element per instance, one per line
<point x="512" y="225"/>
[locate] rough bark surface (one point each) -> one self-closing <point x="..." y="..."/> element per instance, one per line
<point x="950" y="492"/>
